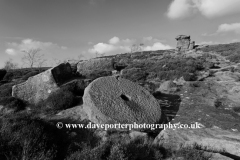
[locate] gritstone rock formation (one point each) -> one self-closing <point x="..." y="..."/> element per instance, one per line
<point x="87" y="67"/>
<point x="117" y="100"/>
<point x="39" y="87"/>
<point x="213" y="139"/>
<point x="73" y="64"/>
<point x="184" y="43"/>
<point x="2" y="73"/>
<point x="167" y="87"/>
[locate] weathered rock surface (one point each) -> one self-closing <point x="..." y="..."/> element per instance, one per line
<point x="130" y="71"/>
<point x="192" y="45"/>
<point x="184" y="43"/>
<point x="167" y="87"/>
<point x="237" y="68"/>
<point x="213" y="139"/>
<point x="73" y="64"/>
<point x="39" y="87"/>
<point x="76" y="113"/>
<point x="179" y="82"/>
<point x="216" y="156"/>
<point x="2" y="73"/>
<point x="117" y="100"/>
<point x="87" y="67"/>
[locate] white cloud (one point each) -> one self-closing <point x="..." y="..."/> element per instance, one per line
<point x="26" y="44"/>
<point x="179" y="9"/>
<point x="117" y="45"/>
<point x="102" y="48"/>
<point x="234" y="27"/>
<point x="10" y="51"/>
<point x="215" y="8"/>
<point x="157" y="46"/>
<point x="114" y="40"/>
<point x="208" y="8"/>
<point x="151" y="39"/>
<point x="208" y="43"/>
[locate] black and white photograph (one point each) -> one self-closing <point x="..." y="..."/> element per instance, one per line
<point x="119" y="79"/>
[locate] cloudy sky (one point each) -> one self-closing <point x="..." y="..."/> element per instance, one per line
<point x="66" y="29"/>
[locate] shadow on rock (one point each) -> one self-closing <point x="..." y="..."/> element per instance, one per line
<point x="169" y="104"/>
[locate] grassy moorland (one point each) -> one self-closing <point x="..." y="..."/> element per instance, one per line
<point x="25" y="135"/>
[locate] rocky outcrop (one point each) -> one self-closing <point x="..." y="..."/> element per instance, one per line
<point x="117" y="100"/>
<point x="73" y="64"/>
<point x="167" y="87"/>
<point x="184" y="43"/>
<point x="213" y="139"/>
<point x="87" y="67"/>
<point x="192" y="45"/>
<point x="39" y="87"/>
<point x="179" y="82"/>
<point x="3" y="72"/>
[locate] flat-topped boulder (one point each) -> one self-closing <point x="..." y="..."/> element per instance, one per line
<point x="88" y="67"/>
<point x="116" y="100"/>
<point x="184" y="43"/>
<point x="39" y="87"/>
<point x="180" y="37"/>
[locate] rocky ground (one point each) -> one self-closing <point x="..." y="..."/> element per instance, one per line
<point x="201" y="85"/>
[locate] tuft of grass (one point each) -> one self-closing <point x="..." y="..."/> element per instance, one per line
<point x="59" y="100"/>
<point x="236" y="109"/>
<point x="22" y="73"/>
<point x="76" y="87"/>
<point x="119" y="149"/>
<point x="123" y="148"/>
<point x="97" y="74"/>
<point x="12" y="103"/>
<point x="134" y="74"/>
<point x="195" y="152"/>
<point x="27" y="138"/>
<point x="30" y="74"/>
<point x="218" y="103"/>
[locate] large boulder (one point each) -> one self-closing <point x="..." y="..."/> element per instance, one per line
<point x="184" y="43"/>
<point x="88" y="67"/>
<point x="2" y="73"/>
<point x="39" y="87"/>
<point x="212" y="138"/>
<point x="117" y="100"/>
